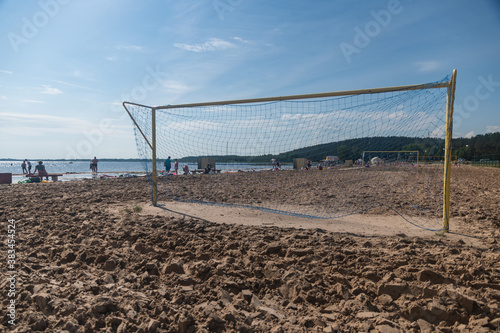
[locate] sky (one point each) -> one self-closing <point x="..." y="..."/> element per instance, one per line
<point x="67" y="65"/>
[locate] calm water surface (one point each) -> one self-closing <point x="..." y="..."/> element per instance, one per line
<point x="80" y="170"/>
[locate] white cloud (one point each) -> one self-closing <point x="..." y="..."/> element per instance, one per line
<point x="175" y="87"/>
<point x="291" y="117"/>
<point x="6" y="72"/>
<point x="111" y="58"/>
<point x="39" y="125"/>
<point x="32" y="101"/>
<point x="3" y="97"/>
<point x="310" y="116"/>
<point x="129" y="47"/>
<point x="37" y="117"/>
<point x="470" y="135"/>
<point x="213" y="44"/>
<point x="89" y="76"/>
<point x="396" y="115"/>
<point x="49" y="90"/>
<point x="241" y="40"/>
<point x="427" y="66"/>
<point x="74" y="85"/>
<point x="492" y="129"/>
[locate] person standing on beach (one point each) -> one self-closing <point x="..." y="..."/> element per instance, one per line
<point x="93" y="164"/>
<point x="168" y="165"/>
<point x="176" y="166"/>
<point x="29" y="166"/>
<point x="23" y="165"/>
<point x="208" y="168"/>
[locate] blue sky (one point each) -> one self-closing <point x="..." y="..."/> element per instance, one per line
<point x="66" y="65"/>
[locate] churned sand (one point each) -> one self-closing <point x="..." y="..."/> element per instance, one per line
<point x="94" y="255"/>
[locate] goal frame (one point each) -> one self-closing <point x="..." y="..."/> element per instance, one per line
<point x="450" y="99"/>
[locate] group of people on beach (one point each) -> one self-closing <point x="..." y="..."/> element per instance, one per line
<point x="25" y="164"/>
<point x="41" y="172"/>
<point x="39" y="169"/>
<point x="276" y="165"/>
<point x="168" y="166"/>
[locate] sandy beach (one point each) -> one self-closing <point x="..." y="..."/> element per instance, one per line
<point x="95" y="256"/>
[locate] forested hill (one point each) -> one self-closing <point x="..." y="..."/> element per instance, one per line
<point x="486" y="145"/>
<point x="478" y="147"/>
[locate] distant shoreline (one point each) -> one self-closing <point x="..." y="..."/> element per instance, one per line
<point x="87" y="173"/>
<point x="76" y="160"/>
<point x="159" y="160"/>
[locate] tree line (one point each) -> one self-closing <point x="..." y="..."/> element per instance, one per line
<point x="483" y="146"/>
<point x="477" y="147"/>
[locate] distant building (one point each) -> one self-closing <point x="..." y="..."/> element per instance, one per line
<point x="330" y="161"/>
<point x="299" y="163"/>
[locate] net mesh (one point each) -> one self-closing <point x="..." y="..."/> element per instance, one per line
<point x="304" y="157"/>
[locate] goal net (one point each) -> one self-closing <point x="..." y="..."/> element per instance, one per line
<point x="305" y="155"/>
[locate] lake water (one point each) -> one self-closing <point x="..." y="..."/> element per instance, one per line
<point x="80" y="170"/>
